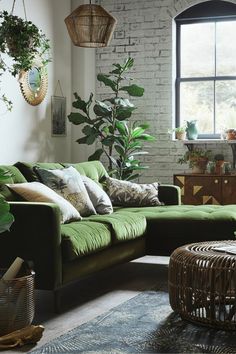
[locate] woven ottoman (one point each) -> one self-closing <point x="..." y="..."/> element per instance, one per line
<point x="202" y="283"/>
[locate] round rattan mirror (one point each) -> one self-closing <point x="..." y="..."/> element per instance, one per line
<point x="34" y="84"/>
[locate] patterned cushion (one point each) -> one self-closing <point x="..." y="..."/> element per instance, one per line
<point x="68" y="183"/>
<point x="38" y="192"/>
<point x="98" y="196"/>
<point x="132" y="194"/>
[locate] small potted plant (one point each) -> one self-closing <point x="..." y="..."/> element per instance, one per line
<point x="180" y="132"/>
<point x="230" y="134"/>
<point x="197" y="159"/>
<point x="24" y="43"/>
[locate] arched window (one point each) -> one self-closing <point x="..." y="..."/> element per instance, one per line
<point x="206" y="67"/>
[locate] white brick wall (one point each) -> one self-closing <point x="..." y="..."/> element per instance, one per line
<point x="144" y="32"/>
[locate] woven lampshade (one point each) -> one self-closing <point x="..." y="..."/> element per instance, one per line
<point x="90" y="26"/>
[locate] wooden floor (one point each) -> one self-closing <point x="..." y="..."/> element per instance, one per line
<point x="96" y="295"/>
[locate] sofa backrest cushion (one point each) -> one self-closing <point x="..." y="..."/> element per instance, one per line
<point x="27" y="169"/>
<point x="92" y="169"/>
<point x="15" y="177"/>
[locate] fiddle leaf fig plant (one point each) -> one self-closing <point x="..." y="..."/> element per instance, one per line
<point x="120" y="141"/>
<point x="24" y="43"/>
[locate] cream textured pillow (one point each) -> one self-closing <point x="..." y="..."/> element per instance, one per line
<point x="38" y="192"/>
<point x="126" y="193"/>
<point x="67" y="182"/>
<point x="98" y="196"/>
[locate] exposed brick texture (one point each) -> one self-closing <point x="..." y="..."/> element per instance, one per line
<point x="146" y="32"/>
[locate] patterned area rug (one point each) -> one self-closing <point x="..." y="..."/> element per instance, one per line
<point x="143" y="324"/>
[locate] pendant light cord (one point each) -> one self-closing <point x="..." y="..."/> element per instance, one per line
<point x="13" y="6"/>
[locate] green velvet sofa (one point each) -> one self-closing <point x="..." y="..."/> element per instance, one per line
<point x="64" y="253"/>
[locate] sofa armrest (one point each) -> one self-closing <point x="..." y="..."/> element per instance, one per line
<point x="169" y="194"/>
<point x="35" y="236"/>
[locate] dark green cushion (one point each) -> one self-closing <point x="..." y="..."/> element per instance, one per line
<point x="16" y="177"/>
<point x="83" y="238"/>
<point x="27" y="169"/>
<point x="124" y="225"/>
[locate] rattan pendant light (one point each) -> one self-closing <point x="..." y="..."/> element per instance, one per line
<point x="90" y="26"/>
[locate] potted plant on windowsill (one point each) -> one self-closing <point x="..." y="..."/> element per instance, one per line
<point x="180" y="132"/>
<point x="24" y="43"/>
<point x="197" y="159"/>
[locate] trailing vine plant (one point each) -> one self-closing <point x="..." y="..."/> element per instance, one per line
<point x="121" y="141"/>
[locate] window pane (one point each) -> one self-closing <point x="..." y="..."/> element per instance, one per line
<point x="225" y="105"/>
<point x="225" y="48"/>
<point x="197" y="50"/>
<point x="196" y="102"/>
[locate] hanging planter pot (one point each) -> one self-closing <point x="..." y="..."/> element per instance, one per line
<point x="24" y="43"/>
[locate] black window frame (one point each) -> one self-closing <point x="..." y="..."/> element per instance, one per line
<point x="204" y="12"/>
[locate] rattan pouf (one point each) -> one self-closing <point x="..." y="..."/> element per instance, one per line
<point x="202" y="283"/>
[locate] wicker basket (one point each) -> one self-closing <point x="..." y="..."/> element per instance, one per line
<point x="202" y="284"/>
<point x="16" y="303"/>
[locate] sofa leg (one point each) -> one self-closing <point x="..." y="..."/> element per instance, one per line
<point x="57" y="301"/>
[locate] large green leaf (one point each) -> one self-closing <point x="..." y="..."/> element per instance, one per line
<point x="108" y="82"/>
<point x="91" y="138"/>
<point x="122" y="127"/>
<point x="87" y="130"/>
<point x="124" y="112"/>
<point x="77" y="118"/>
<point x="128" y="64"/>
<point x="4" y="174"/>
<point x="96" y="155"/>
<point x="6" y="218"/>
<point x="146" y="137"/>
<point x="108" y="141"/>
<point x="79" y="103"/>
<point x="119" y="149"/>
<point x="101" y="109"/>
<point x="133" y="90"/>
<point x="137" y="132"/>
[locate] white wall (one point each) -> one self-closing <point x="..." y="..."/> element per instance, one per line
<point x="25" y="133"/>
<point x="83" y="82"/>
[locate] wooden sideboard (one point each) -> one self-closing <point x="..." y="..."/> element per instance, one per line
<point x="200" y="189"/>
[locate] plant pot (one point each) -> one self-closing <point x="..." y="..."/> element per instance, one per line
<point x="231" y="135"/>
<point x="199" y="165"/>
<point x="180" y="135"/>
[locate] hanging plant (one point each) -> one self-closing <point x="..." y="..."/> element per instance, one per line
<point x="24" y="43"/>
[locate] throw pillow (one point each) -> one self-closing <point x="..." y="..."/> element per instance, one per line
<point x="98" y="196"/>
<point x="127" y="193"/>
<point x="38" y="192"/>
<point x="67" y="182"/>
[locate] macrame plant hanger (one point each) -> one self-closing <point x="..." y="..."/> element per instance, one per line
<point x="13" y="7"/>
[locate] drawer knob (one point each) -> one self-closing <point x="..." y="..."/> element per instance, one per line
<point x="226" y="181"/>
<point x="216" y="181"/>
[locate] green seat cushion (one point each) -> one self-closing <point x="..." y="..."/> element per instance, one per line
<point x="15" y="177"/>
<point x="124" y="225"/>
<point x="27" y="169"/>
<point x="83" y="238"/>
<point x="170" y="226"/>
<point x="92" y="169"/>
